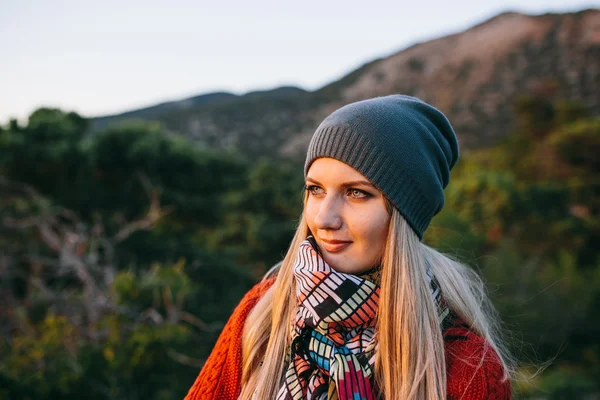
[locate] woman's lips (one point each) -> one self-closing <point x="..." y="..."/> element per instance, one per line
<point x="334" y="246"/>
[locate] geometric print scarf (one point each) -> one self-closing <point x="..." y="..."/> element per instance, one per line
<point x="333" y="348"/>
<point x="332" y="355"/>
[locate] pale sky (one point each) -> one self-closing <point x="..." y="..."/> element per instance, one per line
<point x="106" y="56"/>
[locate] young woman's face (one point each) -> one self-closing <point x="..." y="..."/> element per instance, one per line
<point x="347" y="216"/>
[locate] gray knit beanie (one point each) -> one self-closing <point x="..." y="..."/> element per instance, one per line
<point x="404" y="146"/>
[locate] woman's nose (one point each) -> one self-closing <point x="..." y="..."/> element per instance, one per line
<point x="329" y="215"/>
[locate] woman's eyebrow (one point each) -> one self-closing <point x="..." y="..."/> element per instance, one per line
<point x="358" y="183"/>
<point x="308" y="178"/>
<point x="345" y="184"/>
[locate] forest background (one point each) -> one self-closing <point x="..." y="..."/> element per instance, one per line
<point x="125" y="243"/>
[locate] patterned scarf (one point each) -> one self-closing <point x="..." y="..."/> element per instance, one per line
<point x="332" y="355"/>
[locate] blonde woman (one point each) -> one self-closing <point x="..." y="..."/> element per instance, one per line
<point x="360" y="307"/>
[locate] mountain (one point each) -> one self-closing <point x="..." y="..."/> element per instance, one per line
<point x="152" y="111"/>
<point x="474" y="77"/>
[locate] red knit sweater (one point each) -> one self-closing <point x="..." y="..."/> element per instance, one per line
<point x="474" y="371"/>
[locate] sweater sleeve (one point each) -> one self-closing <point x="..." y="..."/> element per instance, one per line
<point x="474" y="368"/>
<point x="221" y="375"/>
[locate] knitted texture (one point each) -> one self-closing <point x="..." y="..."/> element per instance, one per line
<point x="473" y="368"/>
<point x="404" y="146"/>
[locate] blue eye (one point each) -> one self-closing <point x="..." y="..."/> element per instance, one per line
<point x="358" y="194"/>
<point x="314" y="190"/>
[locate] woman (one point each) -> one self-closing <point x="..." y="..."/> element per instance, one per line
<point x="360" y="308"/>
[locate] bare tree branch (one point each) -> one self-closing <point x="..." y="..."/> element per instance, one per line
<point x="153" y="315"/>
<point x="86" y="251"/>
<point x="172" y="312"/>
<point x="185" y="360"/>
<point x="197" y="322"/>
<point x="154" y="214"/>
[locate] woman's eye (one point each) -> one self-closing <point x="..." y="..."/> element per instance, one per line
<point x="358" y="194"/>
<point x="314" y="190"/>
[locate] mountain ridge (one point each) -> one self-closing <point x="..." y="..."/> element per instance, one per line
<point x="473" y="76"/>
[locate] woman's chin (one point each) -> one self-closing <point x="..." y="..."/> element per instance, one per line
<point x="346" y="265"/>
<point x="334" y="262"/>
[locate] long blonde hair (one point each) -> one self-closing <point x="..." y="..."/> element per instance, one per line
<point x="410" y="361"/>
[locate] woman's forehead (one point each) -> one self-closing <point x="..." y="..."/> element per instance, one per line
<point x="333" y="170"/>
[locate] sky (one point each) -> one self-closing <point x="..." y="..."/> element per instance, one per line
<point x="105" y="57"/>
